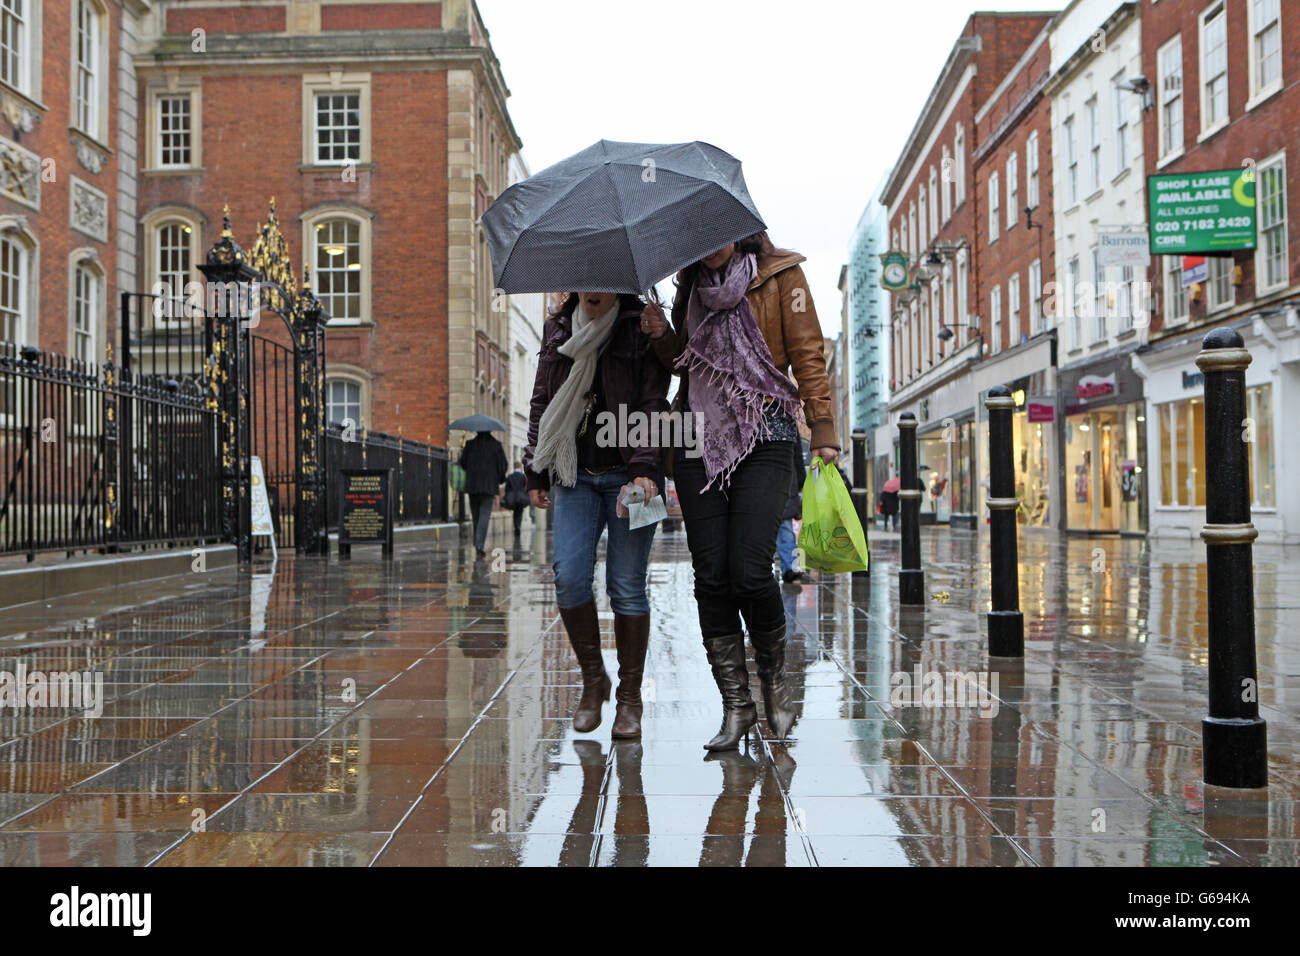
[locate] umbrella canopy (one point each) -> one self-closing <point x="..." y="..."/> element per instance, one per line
<point x="893" y="484"/>
<point x="477" y="423"/>
<point x="618" y="217"/>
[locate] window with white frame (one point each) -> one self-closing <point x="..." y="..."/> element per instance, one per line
<point x="13" y="291"/>
<point x="922" y="218"/>
<point x="924" y="355"/>
<point x="1182" y="451"/>
<point x="173" y="267"/>
<point x="14" y="43"/>
<point x="1265" y="46"/>
<point x="945" y="185"/>
<point x="88" y="68"/>
<point x="85" y="313"/>
<point x="337" y="268"/>
<point x="948" y="302"/>
<point x="1175" y="293"/>
<point x="1013" y="188"/>
<point x="1100" y="300"/>
<point x="1035" y="297"/>
<point x="1125" y="299"/>
<point x="1072" y="297"/>
<point x="175" y="140"/>
<point x="338" y="127"/>
<point x="1171" y="96"/>
<point x="1214" y="67"/>
<point x="994" y="208"/>
<point x="1013" y="310"/>
<point x="911" y="228"/>
<point x="1092" y="119"/>
<point x="343" y="402"/>
<point x="995" y="318"/>
<point x="1071" y="162"/>
<point x="1271" y="267"/>
<point x="959" y="151"/>
<point x="1219" y="292"/>
<point x="962" y="311"/>
<point x="1031" y="171"/>
<point x="1119" y="104"/>
<point x="934" y="201"/>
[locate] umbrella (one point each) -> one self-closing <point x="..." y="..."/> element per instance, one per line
<point x="893" y="484"/>
<point x="618" y="217"/>
<point x="477" y="423"/>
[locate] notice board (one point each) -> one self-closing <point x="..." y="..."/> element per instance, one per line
<point x="365" y="509"/>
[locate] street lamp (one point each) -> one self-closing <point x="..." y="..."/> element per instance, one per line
<point x="946" y="333"/>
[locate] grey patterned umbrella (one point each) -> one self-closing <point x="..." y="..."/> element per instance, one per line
<point x="618" y="217"/>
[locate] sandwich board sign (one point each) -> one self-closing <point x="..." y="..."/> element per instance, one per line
<point x="262" y="521"/>
<point x="365" y="509"/>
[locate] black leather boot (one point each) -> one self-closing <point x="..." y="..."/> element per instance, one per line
<point x="583" y="628"/>
<point x="769" y="656"/>
<point x="632" y="638"/>
<point x="727" y="658"/>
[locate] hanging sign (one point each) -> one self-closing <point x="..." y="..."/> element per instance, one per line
<point x="1123" y="248"/>
<point x="1041" y="409"/>
<point x="1195" y="269"/>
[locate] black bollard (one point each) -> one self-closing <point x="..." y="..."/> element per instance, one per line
<point x="1006" y="623"/>
<point x="1233" y="735"/>
<point x="911" y="579"/>
<point x="860" y="485"/>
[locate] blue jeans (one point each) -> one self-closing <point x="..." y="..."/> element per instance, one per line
<point x="785" y="544"/>
<point x="581" y="514"/>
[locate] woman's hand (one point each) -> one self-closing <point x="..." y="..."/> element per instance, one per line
<point x="648" y="486"/>
<point x="653" y="322"/>
<point x="539" y="498"/>
<point x="827" y="455"/>
<point x="645" y="484"/>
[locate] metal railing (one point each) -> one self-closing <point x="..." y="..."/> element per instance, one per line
<point x="419" y="472"/>
<point x="89" y="461"/>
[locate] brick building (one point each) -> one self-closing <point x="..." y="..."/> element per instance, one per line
<point x="66" y="151"/>
<point x="933" y="209"/>
<point x="1224" y="97"/>
<point x="381" y="130"/>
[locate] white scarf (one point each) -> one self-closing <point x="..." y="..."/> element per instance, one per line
<point x="557" y="445"/>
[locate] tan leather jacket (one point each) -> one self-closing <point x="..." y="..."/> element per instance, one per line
<point x="782" y="304"/>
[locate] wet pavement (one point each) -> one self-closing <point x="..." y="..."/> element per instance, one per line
<point x="416" y="712"/>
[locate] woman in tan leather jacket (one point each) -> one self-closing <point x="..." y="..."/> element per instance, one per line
<point x="742" y="320"/>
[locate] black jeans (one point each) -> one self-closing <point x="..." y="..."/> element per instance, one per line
<point x="480" y="509"/>
<point x="519" y="520"/>
<point x="732" y="536"/>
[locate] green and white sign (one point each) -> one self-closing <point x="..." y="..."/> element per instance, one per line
<point x="893" y="271"/>
<point x="1203" y="212"/>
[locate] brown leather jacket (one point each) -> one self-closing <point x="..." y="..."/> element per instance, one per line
<point x="631" y="378"/>
<point x="782" y="304"/>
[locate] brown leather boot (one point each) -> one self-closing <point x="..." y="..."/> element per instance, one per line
<point x="632" y="636"/>
<point x="583" y="629"/>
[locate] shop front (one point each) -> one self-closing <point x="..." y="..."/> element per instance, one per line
<point x="1175" y="394"/>
<point x="1103" y="435"/>
<point x="1029" y="372"/>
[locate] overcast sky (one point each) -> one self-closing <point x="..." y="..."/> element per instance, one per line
<point x="815" y="97"/>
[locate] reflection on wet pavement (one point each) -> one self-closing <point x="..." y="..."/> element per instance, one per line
<point x="416" y="712"/>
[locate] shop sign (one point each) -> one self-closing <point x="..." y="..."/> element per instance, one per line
<point x="1193" y="379"/>
<point x="924" y="410"/>
<point x="1123" y="248"/>
<point x="1195" y="269"/>
<point x="1203" y="212"/>
<point x="1095" y="386"/>
<point x="1041" y="409"/>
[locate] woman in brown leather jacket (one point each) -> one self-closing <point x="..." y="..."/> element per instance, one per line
<point x="595" y="364"/>
<point x="742" y="318"/>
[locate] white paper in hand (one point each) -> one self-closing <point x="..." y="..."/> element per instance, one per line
<point x="639" y="515"/>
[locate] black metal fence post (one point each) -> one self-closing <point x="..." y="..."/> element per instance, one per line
<point x="1006" y="623"/>
<point x="860" y="484"/>
<point x="1234" y="737"/>
<point x="911" y="579"/>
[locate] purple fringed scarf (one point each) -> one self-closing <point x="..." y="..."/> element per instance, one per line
<point x="732" y="376"/>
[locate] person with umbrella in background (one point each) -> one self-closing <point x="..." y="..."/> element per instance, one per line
<point x="484" y="461"/>
<point x="742" y="316"/>
<point x="596" y="360"/>
<point x="889" y="502"/>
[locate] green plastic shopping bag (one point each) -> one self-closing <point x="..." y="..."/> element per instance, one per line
<point x="831" y="538"/>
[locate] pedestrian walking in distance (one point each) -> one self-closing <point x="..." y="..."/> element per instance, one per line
<point x="889" y="503"/>
<point x="786" y="540"/>
<point x="742" y="317"/>
<point x="484" y="461"/>
<point x="516" y="496"/>
<point x="595" y="359"/>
